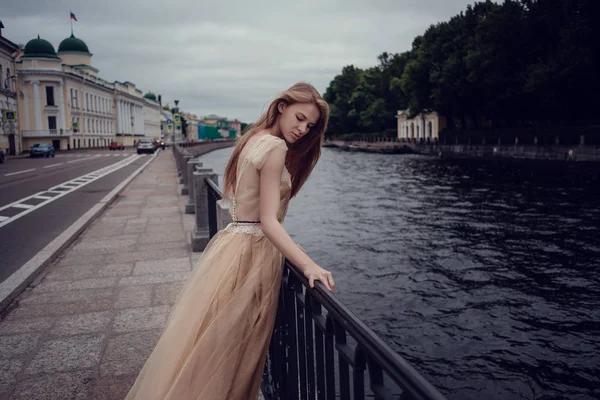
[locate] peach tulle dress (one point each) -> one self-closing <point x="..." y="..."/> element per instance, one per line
<point x="217" y="336"/>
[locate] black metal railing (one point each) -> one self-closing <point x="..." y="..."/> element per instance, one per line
<point x="214" y="195"/>
<point x="320" y="350"/>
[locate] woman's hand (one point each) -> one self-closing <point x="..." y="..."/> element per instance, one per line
<point x="316" y="273"/>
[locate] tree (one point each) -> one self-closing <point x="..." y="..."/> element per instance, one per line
<point x="514" y="64"/>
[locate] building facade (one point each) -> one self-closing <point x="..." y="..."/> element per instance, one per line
<point x="422" y="127"/>
<point x="166" y="125"/>
<point x="192" y="126"/>
<point x="215" y="127"/>
<point x="10" y="142"/>
<point x="61" y="99"/>
<point x="152" y="116"/>
<point x="129" y="110"/>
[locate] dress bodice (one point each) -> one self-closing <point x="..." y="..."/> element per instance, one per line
<point x="246" y="198"/>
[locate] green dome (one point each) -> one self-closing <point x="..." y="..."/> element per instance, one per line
<point x="39" y="48"/>
<point x="150" y="96"/>
<point x="73" y="45"/>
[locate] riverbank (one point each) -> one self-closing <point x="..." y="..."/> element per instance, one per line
<point x="533" y="152"/>
<point x="371" y="147"/>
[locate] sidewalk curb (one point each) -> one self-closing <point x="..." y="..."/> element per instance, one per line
<point x="14" y="285"/>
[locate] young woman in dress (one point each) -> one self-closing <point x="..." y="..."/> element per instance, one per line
<point x="216" y="340"/>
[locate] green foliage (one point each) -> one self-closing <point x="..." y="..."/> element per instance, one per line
<point x="521" y="63"/>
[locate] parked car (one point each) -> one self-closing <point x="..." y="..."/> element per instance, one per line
<point x="159" y="144"/>
<point x="116" y="146"/>
<point x="41" y="150"/>
<point x="145" y="146"/>
<point x="1" y="156"/>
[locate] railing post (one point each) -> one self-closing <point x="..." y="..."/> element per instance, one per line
<point x="184" y="175"/>
<point x="177" y="151"/>
<point x="192" y="165"/>
<point x="201" y="234"/>
<point x="223" y="217"/>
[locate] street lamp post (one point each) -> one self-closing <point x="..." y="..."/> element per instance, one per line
<point x="176" y="109"/>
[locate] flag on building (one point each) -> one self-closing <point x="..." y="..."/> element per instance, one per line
<point x="73" y="16"/>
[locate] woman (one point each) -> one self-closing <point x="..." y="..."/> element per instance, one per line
<point x="216" y="340"/>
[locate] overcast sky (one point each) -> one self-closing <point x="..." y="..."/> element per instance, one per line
<point x="232" y="57"/>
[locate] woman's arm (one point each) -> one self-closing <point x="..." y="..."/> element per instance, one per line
<point x="270" y="181"/>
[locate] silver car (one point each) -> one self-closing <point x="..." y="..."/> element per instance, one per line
<point x="145" y="146"/>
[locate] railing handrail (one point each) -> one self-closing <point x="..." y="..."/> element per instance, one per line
<point x="397" y="368"/>
<point x="214" y="187"/>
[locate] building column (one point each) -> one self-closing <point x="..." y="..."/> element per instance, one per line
<point x="122" y="103"/>
<point x="135" y="122"/>
<point x="129" y="127"/>
<point x="37" y="105"/>
<point x="26" y="108"/>
<point x="119" y="117"/>
<point x="62" y="107"/>
<point x="141" y="119"/>
<point x="127" y="119"/>
<point x="124" y="117"/>
<point x="143" y="124"/>
<point x="123" y="127"/>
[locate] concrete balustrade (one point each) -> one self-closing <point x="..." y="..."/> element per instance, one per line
<point x="201" y="233"/>
<point x="184" y="174"/>
<point x="191" y="167"/>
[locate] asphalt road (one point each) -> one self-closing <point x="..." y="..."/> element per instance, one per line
<point x="23" y="236"/>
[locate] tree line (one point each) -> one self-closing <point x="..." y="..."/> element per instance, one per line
<point x="518" y="64"/>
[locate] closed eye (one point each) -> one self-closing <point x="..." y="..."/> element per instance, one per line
<point x="302" y="118"/>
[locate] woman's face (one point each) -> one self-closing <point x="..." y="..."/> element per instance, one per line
<point x="296" y="120"/>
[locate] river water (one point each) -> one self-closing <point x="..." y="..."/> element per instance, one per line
<point x="484" y="275"/>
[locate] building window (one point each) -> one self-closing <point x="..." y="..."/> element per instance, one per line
<point x="52" y="124"/>
<point x="8" y="80"/>
<point x="87" y="102"/>
<point x="76" y="99"/>
<point x="50" y="96"/>
<point x="1" y="80"/>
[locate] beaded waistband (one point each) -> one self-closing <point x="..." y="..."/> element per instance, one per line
<point x="247" y="227"/>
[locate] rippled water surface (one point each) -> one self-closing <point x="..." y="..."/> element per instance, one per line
<point x="484" y="275"/>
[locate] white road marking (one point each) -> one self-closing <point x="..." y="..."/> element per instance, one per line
<point x="80" y="159"/>
<point x="42" y="197"/>
<point x="53" y="165"/>
<point x="60" y="193"/>
<point x="20" y="172"/>
<point x="25" y="206"/>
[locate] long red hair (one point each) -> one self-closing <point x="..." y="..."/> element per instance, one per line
<point x="303" y="154"/>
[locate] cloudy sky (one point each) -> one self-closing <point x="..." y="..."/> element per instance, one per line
<point x="231" y="57"/>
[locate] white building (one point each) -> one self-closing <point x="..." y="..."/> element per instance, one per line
<point x="64" y="102"/>
<point x="424" y="126"/>
<point x="9" y="128"/>
<point x="152" y="116"/>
